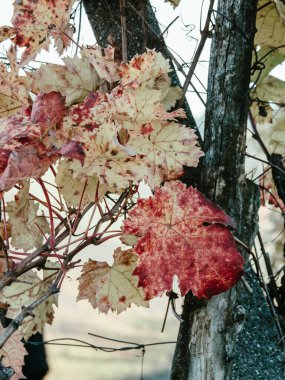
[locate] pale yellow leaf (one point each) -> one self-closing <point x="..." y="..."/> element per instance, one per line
<point x="103" y="62"/>
<point x="174" y="3"/>
<point x="145" y="70"/>
<point x="281" y="8"/>
<point x="271" y="89"/>
<point x="28" y="288"/>
<point x="270" y="27"/>
<point x="14" y="89"/>
<point x="277" y="141"/>
<point x="75" y="80"/>
<point x="26" y="225"/>
<point x="74" y="190"/>
<point x="166" y="147"/>
<point x="12" y="354"/>
<point x="111" y="287"/>
<point x="271" y="60"/>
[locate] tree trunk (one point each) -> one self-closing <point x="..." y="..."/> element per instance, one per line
<point x="233" y="336"/>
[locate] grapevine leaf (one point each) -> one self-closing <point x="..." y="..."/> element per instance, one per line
<point x="182" y="233"/>
<point x="270" y="27"/>
<point x="12" y="354"/>
<point x="48" y="108"/>
<point x="111" y="287"/>
<point x="26" y="226"/>
<point x="74" y="190"/>
<point x="14" y="89"/>
<point x="152" y="149"/>
<point x="27" y="144"/>
<point x="6" y="32"/>
<point x="104" y="64"/>
<point x="27" y="289"/>
<point x="272" y="89"/>
<point x="280" y="8"/>
<point x="148" y="70"/>
<point x="166" y="147"/>
<point x="75" y="80"/>
<point x="174" y="3"/>
<point x="35" y="21"/>
<point x="268" y="191"/>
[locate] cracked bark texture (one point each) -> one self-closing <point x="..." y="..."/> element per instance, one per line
<point x="233" y="336"/>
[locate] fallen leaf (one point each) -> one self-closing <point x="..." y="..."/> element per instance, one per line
<point x="111" y="287"/>
<point x="180" y="232"/>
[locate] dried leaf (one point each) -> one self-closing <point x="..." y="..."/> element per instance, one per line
<point x="26" y="226"/>
<point x="34" y="21"/>
<point x="12" y="354"/>
<point x="75" y="80"/>
<point x="27" y="289"/>
<point x="182" y="233"/>
<point x="111" y="287"/>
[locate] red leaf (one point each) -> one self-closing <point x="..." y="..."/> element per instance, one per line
<point x="180" y="232"/>
<point x="48" y="108"/>
<point x="34" y="21"/>
<point x="26" y="144"/>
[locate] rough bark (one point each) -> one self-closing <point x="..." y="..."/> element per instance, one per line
<point x="225" y="338"/>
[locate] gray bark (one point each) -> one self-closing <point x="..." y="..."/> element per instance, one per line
<point x="233" y="336"/>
